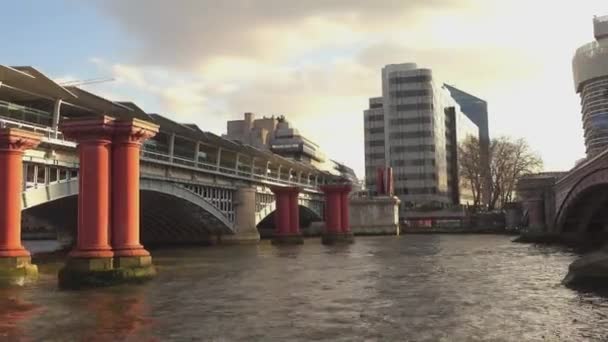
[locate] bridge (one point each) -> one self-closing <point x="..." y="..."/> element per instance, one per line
<point x="571" y="202"/>
<point x="95" y="168"/>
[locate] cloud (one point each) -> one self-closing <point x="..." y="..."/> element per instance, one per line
<point x="186" y="33"/>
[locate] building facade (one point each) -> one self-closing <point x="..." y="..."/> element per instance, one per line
<point x="476" y="110"/>
<point x="590" y="70"/>
<point x="275" y="134"/>
<point x="415" y="128"/>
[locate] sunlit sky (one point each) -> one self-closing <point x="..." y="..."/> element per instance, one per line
<point x="317" y="61"/>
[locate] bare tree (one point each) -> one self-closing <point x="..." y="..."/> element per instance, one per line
<point x="471" y="168"/>
<point x="509" y="160"/>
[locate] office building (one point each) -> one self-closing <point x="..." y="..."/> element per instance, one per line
<point x="590" y="69"/>
<point x="476" y="110"/>
<point x="415" y="128"/>
<point x="277" y="135"/>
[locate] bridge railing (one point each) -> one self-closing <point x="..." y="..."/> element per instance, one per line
<point x="53" y="136"/>
<point x="151" y="155"/>
<point x="48" y="134"/>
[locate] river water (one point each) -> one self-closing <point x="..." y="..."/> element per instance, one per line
<point x="408" y="288"/>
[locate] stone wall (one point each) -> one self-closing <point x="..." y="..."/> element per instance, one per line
<point x="374" y="216"/>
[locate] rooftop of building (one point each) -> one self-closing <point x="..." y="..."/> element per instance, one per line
<point x="454" y="89"/>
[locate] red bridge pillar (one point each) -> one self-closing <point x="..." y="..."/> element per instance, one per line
<point x="127" y="140"/>
<point x="15" y="261"/>
<point x="108" y="203"/>
<point x="287" y="216"/>
<point x="337" y="227"/>
<point x="92" y="254"/>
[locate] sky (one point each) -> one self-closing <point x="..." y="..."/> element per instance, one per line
<point x="317" y="62"/>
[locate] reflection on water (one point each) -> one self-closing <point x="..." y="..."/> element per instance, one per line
<point x="416" y="288"/>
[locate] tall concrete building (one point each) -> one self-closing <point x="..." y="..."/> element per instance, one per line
<point x="590" y="69"/>
<point x="415" y="128"/>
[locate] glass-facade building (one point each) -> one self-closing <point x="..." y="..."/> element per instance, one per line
<point x="476" y="110"/>
<point x="590" y="71"/>
<point x="413" y="128"/>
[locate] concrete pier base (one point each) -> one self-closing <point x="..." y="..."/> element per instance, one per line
<point x="337" y="238"/>
<point x="294" y="239"/>
<point x="244" y="237"/>
<point x="81" y="273"/>
<point x="17" y="270"/>
<point x="589" y="271"/>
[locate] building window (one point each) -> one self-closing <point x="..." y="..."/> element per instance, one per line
<point x="372" y="118"/>
<point x="412" y="106"/>
<point x="410" y="93"/>
<point x="408" y="135"/>
<point x="375" y="155"/>
<point x="375" y="143"/>
<point x="413" y="148"/>
<point x="376" y="130"/>
<point x="411" y="121"/>
<point x="413" y="162"/>
<point x="415" y="176"/>
<point x="410" y="79"/>
<point x="375" y="105"/>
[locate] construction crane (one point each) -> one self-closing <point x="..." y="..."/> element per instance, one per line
<point x="76" y="83"/>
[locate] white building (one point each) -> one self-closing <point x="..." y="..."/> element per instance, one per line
<point x="590" y="69"/>
<point x="415" y="128"/>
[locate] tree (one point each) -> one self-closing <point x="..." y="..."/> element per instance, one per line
<point x="513" y="160"/>
<point x="509" y="160"/>
<point x="471" y="168"/>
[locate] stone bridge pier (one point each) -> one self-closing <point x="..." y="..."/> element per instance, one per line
<point x="245" y="229"/>
<point x="538" y="200"/>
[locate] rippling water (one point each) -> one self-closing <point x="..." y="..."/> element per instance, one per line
<point x="408" y="288"/>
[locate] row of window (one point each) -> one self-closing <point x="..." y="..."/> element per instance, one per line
<point x="413" y="162"/>
<point x="377" y="117"/>
<point x="412" y="106"/>
<point x="409" y="79"/>
<point x="409" y="135"/>
<point x="375" y="105"/>
<point x="415" y="176"/>
<point x="410" y="93"/>
<point x="375" y="155"/>
<point x="411" y="121"/>
<point x="413" y="148"/>
<point x="375" y="143"/>
<point x="416" y="191"/>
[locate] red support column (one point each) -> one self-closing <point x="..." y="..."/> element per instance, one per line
<point x="294" y="212"/>
<point x="15" y="262"/>
<point x="345" y="206"/>
<point x="94" y="138"/>
<point x="127" y="140"/>
<point x="337" y="228"/>
<point x="92" y="253"/>
<point x="333" y="210"/>
<point x="286" y="231"/>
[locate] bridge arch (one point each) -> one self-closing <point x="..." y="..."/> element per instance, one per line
<point x="265" y="223"/>
<point x="170" y="213"/>
<point x="582" y="208"/>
